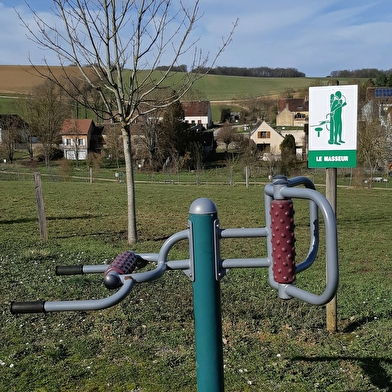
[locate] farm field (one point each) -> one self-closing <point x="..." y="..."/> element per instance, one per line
<point x="18" y="80"/>
<point x="21" y="79"/>
<point x="146" y="342"/>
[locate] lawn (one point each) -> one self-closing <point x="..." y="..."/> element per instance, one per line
<point x="146" y="343"/>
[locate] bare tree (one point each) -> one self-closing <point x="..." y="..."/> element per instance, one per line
<point x="27" y="135"/>
<point x="108" y="36"/>
<point x="226" y="135"/>
<point x="46" y="112"/>
<point x="288" y="155"/>
<point x="372" y="145"/>
<point x="197" y="154"/>
<point x="113" y="143"/>
<point x="178" y="162"/>
<point x="11" y="128"/>
<point x="151" y="138"/>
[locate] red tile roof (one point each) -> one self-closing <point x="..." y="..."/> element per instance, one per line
<point x="293" y="104"/>
<point x="72" y="126"/>
<point x="195" y="108"/>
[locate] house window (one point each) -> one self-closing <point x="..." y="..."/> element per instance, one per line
<point x="80" y="142"/>
<point x="264" y="135"/>
<point x="68" y="142"/>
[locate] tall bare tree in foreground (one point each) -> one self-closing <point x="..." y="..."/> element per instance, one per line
<point x="122" y="43"/>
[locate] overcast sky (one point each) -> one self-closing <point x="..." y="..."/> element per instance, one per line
<point x="314" y="36"/>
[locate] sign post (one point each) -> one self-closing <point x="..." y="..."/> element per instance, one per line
<point x="332" y="145"/>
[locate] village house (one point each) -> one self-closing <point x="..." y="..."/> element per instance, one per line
<point x="267" y="139"/>
<point x="79" y="137"/>
<point x="292" y="112"/>
<point x="293" y="119"/>
<point x="197" y="113"/>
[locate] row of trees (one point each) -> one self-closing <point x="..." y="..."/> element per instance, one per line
<point x="364" y="73"/>
<point x="259" y="72"/>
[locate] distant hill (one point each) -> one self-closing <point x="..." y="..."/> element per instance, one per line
<point x="21" y="79"/>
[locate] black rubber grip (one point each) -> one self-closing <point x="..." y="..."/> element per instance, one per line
<point x="28" y="307"/>
<point x="69" y="270"/>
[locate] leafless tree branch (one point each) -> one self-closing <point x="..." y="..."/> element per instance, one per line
<point x="104" y="37"/>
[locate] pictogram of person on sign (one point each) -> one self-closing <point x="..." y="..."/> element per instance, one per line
<point x="337" y="102"/>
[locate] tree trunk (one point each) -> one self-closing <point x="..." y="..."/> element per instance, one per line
<point x="130" y="183"/>
<point x="46" y="155"/>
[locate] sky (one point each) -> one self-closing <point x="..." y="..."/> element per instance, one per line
<point x="314" y="36"/>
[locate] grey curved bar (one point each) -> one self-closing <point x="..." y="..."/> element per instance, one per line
<point x="77" y="305"/>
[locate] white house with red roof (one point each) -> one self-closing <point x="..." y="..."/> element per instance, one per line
<point x="79" y="137"/>
<point x="197" y="113"/>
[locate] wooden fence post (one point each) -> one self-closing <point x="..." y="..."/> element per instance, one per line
<point x="40" y="206"/>
<point x="331" y="196"/>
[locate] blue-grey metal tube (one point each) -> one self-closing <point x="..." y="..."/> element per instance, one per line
<point x="162" y="259"/>
<point x="301" y="180"/>
<point x="94" y="304"/>
<point x="244" y="233"/>
<point x="246" y="263"/>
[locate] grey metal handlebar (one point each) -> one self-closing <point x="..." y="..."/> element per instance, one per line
<point x="332" y="270"/>
<point x="79" y="305"/>
<point x="127" y="282"/>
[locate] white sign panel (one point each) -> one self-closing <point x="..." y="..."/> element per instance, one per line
<point x="333" y="126"/>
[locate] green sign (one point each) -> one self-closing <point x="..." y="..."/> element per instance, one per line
<point x="327" y="159"/>
<point x="333" y="126"/>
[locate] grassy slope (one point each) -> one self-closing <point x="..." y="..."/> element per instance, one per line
<point x="16" y="80"/>
<point x="21" y="80"/>
<point x="146" y="342"/>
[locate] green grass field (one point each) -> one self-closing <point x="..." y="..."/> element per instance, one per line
<point x="146" y="343"/>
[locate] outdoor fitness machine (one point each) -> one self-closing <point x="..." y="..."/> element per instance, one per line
<point x="205" y="268"/>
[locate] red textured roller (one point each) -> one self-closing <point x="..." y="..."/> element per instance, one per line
<point x="283" y="241"/>
<point x="124" y="263"/>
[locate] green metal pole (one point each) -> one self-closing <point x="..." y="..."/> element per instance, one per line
<point x="206" y="297"/>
